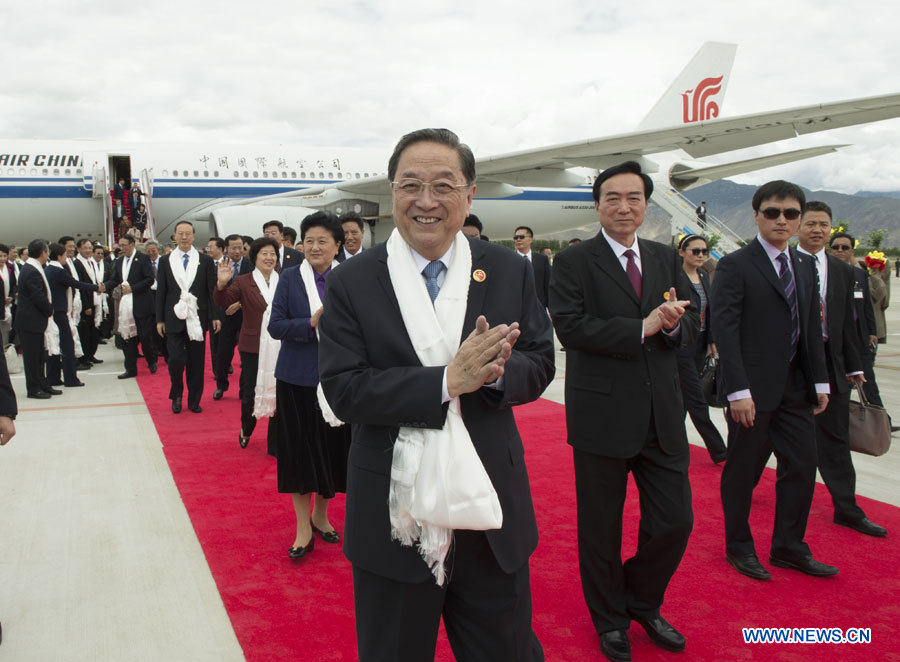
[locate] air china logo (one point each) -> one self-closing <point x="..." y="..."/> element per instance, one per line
<point x="701" y="107"/>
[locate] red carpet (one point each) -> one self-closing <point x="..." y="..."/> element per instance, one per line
<point x="283" y="609"/>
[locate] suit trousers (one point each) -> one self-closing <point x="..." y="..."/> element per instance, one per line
<point x="89" y="336"/>
<point x="228" y="339"/>
<point x="690" y="362"/>
<point x="33" y="360"/>
<point x="66" y="357"/>
<point x="145" y="329"/>
<point x="789" y="432"/>
<point x="833" y="447"/>
<point x="249" y="368"/>
<point x="213" y="349"/>
<point x="487" y="612"/>
<point x="615" y="591"/>
<point x="186" y="363"/>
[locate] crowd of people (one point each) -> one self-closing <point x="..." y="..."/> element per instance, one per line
<point x="422" y="345"/>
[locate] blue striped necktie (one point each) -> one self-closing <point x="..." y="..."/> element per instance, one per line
<point x="790" y="291"/>
<point x="431" y="272"/>
<point x="185" y="260"/>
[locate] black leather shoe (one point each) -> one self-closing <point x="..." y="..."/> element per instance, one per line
<point x="864" y="525"/>
<point x="127" y="375"/>
<point x="805" y="564"/>
<point x="243" y="441"/>
<point x="52" y="391"/>
<point x="218" y="394"/>
<point x="614" y="645"/>
<point x="40" y="395"/>
<point x="95" y="360"/>
<point x="661" y="633"/>
<point x="300" y="552"/>
<point x="748" y="565"/>
<point x="152" y="367"/>
<point x="895" y="428"/>
<point x="78" y="383"/>
<point x="176" y="405"/>
<point x="327" y="536"/>
<point x="195" y="408"/>
<point x="82" y="365"/>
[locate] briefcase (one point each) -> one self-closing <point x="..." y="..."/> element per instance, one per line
<point x="870" y="426"/>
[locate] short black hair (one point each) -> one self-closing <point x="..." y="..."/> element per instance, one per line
<point x="323" y="219"/>
<point x="182" y="223"/>
<point x="4" y="248"/>
<point x="65" y="239"/>
<point x="778" y="189"/>
<point x="258" y="245"/>
<point x="55" y="251"/>
<point x="442" y="137"/>
<point x="36" y="247"/>
<point x="219" y="242"/>
<point x="348" y="216"/>
<point x="632" y="167"/>
<point x="81" y="242"/>
<point x="842" y="235"/>
<point x="574" y="240"/>
<point x="474" y="222"/>
<point x="247" y="239"/>
<point x="818" y="205"/>
<point x="269" y="224"/>
<point x="527" y="229"/>
<point x="290" y="233"/>
<point x="233" y="237"/>
<point x="128" y="238"/>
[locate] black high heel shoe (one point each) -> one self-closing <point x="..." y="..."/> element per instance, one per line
<point x="300" y="552"/>
<point x="242" y="440"/>
<point x="327" y="536"/>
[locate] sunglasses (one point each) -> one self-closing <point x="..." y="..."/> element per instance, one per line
<point x="772" y="213"/>
<point x="518" y="237"/>
<point x="699" y="251"/>
<point x="838" y="247"/>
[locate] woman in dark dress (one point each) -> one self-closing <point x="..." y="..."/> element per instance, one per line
<point x="312" y="454"/>
<point x="694" y="252"/>
<point x="245" y="289"/>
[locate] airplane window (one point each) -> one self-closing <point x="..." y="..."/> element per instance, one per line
<point x="165" y="173"/>
<point x="357" y="175"/>
<point x="68" y="171"/>
<point x="78" y="172"/>
<point x="175" y="173"/>
<point x="33" y="171"/>
<point x="215" y="173"/>
<point x="237" y="174"/>
<point x="255" y="174"/>
<point x="45" y="171"/>
<point x="56" y="172"/>
<point x="293" y="175"/>
<point x="302" y="175"/>
<point x="265" y="174"/>
<point x="284" y="174"/>
<point x="206" y="173"/>
<point x="330" y="175"/>
<point x="339" y="176"/>
<point x="366" y="175"/>
<point x="196" y="174"/>
<point x="246" y="174"/>
<point x="321" y="175"/>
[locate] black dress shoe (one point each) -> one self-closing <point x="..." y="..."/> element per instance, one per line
<point x="805" y="564"/>
<point x="78" y="383"/>
<point x="614" y="645"/>
<point x="894" y="428"/>
<point x="864" y="525"/>
<point x="81" y="365"/>
<point x="152" y="368"/>
<point x="748" y="565"/>
<point x="327" y="536"/>
<point x="243" y="441"/>
<point x="661" y="633"/>
<point x="101" y="342"/>
<point x="217" y="395"/>
<point x="176" y="405"/>
<point x="52" y="391"/>
<point x="40" y="395"/>
<point x="95" y="360"/>
<point x="300" y="552"/>
<point x="127" y="375"/>
<point x="195" y="408"/>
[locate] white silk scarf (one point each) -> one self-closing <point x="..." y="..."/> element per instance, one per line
<point x="186" y="308"/>
<point x="312" y="293"/>
<point x="264" y="393"/>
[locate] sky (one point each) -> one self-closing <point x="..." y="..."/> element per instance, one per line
<point x="504" y="75"/>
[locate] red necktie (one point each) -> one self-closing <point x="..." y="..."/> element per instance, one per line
<point x="633" y="273"/>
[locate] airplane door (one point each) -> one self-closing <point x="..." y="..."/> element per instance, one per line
<point x="120" y="168"/>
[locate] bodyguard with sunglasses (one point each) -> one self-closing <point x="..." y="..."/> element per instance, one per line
<point x="769" y="337"/>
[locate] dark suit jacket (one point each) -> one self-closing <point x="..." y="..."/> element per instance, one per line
<point x="244" y="289"/>
<point x="753" y="325"/>
<point x="33" y="308"/>
<point x="540" y="264"/>
<point x="865" y="313"/>
<point x="140" y="278"/>
<point x="8" y="405"/>
<point x="292" y="258"/>
<point x="842" y="349"/>
<point x="613" y="380"/>
<point x="374" y="380"/>
<point x="298" y="360"/>
<point x="60" y="281"/>
<point x="12" y="290"/>
<point x="168" y="293"/>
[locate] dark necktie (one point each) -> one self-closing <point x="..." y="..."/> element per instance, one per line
<point x="234" y="270"/>
<point x="185" y="260"/>
<point x="821" y="296"/>
<point x="633" y="273"/>
<point x="790" y="291"/>
<point x="431" y="272"/>
<point x="153" y="264"/>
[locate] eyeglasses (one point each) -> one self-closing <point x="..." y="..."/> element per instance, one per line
<point x="839" y="247"/>
<point x="519" y="237"/>
<point x="413" y="188"/>
<point x="699" y="251"/>
<point x="772" y="213"/>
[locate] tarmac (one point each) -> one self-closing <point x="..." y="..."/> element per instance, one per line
<point x="98" y="558"/>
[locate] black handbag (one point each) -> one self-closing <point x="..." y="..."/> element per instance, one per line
<point x="709" y="379"/>
<point x="870" y="426"/>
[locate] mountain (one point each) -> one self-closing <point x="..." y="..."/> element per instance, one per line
<point x="878" y="194"/>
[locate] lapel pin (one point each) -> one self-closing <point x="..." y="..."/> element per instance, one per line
<point x="666" y="295"/>
<point x="479" y="276"/>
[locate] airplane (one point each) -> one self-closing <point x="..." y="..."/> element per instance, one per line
<point x="52" y="188"/>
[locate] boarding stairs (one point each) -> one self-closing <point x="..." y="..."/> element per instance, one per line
<point x="684" y="221"/>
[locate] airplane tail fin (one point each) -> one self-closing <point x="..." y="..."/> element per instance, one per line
<point x="698" y="91"/>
